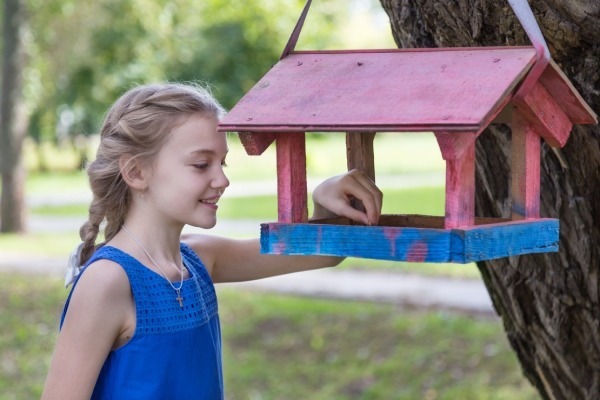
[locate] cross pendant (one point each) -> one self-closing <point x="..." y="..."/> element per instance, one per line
<point x="179" y="299"/>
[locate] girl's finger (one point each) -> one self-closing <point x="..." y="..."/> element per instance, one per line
<point x="369" y="194"/>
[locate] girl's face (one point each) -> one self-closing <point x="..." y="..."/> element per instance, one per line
<point x="186" y="179"/>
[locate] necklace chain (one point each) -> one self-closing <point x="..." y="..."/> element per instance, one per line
<point x="177" y="290"/>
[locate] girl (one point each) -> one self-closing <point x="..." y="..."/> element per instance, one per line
<point x="141" y="321"/>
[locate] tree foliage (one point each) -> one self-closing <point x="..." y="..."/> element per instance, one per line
<point x="85" y="54"/>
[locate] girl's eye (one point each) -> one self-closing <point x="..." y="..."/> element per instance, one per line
<point x="223" y="163"/>
<point x="201" y="166"/>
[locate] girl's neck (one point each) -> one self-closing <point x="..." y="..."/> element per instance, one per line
<point x="160" y="240"/>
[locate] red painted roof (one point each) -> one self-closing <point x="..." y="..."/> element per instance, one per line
<point x="452" y="89"/>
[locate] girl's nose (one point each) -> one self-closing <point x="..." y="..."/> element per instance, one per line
<point x="221" y="180"/>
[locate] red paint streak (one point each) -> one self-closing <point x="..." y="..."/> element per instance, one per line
<point x="417" y="252"/>
<point x="391" y="234"/>
<point x="279" y="248"/>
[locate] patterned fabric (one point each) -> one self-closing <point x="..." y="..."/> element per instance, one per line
<point x="175" y="352"/>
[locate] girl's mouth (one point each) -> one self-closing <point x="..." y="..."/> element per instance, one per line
<point x="211" y="202"/>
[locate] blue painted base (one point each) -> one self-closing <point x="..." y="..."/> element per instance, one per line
<point x="414" y="244"/>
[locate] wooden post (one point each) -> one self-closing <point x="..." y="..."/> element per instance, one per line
<point x="359" y="153"/>
<point x="525" y="168"/>
<point x="291" y="178"/>
<point x="458" y="149"/>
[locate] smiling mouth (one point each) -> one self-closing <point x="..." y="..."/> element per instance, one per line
<point x="210" y="201"/>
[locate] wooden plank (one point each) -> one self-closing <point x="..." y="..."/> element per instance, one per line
<point x="291" y="178"/>
<point x="408" y="220"/>
<point x="408" y="244"/>
<point x="379" y="91"/>
<point x="525" y="169"/>
<point x="560" y="88"/>
<point x="460" y="189"/>
<point x="544" y="113"/>
<point x="507" y="239"/>
<point x="359" y="155"/>
<point x="412" y="244"/>
<point x="256" y="143"/>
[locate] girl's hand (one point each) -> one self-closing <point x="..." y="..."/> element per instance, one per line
<point x="334" y="195"/>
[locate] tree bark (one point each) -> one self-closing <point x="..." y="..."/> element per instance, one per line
<point x="549" y="303"/>
<point x="13" y="119"/>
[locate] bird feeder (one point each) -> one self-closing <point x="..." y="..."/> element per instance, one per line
<point x="453" y="92"/>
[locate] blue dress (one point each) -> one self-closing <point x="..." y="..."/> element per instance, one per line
<point x="175" y="353"/>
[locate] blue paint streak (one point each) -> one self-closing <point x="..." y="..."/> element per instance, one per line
<point x="483" y="242"/>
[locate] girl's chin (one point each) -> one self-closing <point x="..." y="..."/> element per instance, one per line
<point x="204" y="224"/>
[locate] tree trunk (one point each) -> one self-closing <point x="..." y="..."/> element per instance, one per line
<point x="548" y="303"/>
<point x="13" y="119"/>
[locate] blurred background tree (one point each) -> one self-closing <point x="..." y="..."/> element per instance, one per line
<point x="13" y="117"/>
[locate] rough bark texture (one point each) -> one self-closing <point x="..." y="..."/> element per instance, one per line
<point x="549" y="303"/>
<point x="13" y="119"/>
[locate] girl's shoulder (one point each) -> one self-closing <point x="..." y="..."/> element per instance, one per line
<point x="102" y="292"/>
<point x="103" y="277"/>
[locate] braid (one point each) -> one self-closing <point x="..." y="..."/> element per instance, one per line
<point x="137" y="125"/>
<point x="89" y="230"/>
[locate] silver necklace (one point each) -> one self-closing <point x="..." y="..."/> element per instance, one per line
<point x="177" y="290"/>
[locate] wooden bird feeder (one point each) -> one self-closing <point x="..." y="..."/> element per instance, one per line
<point x="454" y="93"/>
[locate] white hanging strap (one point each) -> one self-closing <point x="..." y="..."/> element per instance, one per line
<point x="532" y="29"/>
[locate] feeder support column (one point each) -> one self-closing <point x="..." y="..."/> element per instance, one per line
<point x="359" y="153"/>
<point x="458" y="149"/>
<point x="525" y="168"/>
<point x="291" y="178"/>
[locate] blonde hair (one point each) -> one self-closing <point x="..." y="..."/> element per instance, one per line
<point x="138" y="124"/>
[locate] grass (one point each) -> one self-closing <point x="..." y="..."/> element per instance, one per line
<point x="278" y="347"/>
<point x="343" y="350"/>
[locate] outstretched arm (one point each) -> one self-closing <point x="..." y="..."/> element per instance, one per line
<point x="232" y="260"/>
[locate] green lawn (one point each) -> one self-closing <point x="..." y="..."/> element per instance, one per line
<point x="278" y="347"/>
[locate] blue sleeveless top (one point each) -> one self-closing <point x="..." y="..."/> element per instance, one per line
<point x="174" y="353"/>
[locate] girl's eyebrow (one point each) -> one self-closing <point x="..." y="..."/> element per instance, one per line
<point x="202" y="151"/>
<point x="205" y="151"/>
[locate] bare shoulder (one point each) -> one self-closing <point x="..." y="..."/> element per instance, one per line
<point x="103" y="281"/>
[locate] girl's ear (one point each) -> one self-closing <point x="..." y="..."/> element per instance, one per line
<point x="132" y="172"/>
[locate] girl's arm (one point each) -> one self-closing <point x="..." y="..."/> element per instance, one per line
<point x="95" y="317"/>
<point x="231" y="260"/>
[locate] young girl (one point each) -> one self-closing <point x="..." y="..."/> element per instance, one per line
<point x="141" y="321"/>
